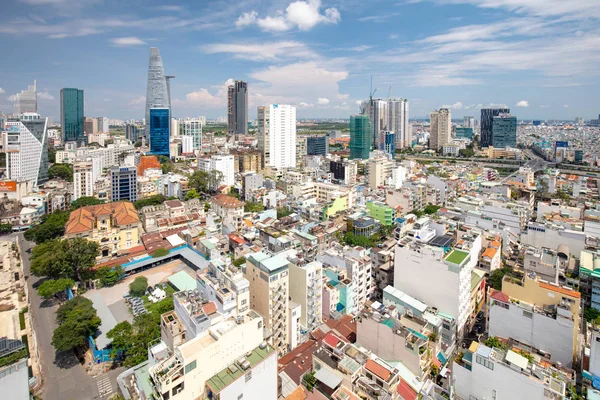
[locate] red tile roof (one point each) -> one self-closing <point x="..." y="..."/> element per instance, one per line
<point x="560" y="289"/>
<point x="84" y="218"/>
<point x="227" y="201"/>
<point x="377" y="369"/>
<point x="331" y="340"/>
<point x="405" y="391"/>
<point x="209" y="308"/>
<point x="498" y="295"/>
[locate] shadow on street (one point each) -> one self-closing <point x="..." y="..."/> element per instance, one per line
<point x="65" y="359"/>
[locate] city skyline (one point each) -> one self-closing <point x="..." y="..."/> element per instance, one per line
<point x="537" y="59"/>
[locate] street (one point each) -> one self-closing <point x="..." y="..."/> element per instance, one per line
<point x="64" y="377"/>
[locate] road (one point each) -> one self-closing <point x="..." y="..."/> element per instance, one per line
<point x="64" y="377"/>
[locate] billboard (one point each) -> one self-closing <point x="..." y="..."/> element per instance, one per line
<point x="561" y="144"/>
<point x="8" y="186"/>
<point x="545" y="145"/>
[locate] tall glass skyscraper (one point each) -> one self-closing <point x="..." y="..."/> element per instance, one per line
<point x="237" y="108"/>
<point x="71" y="115"/>
<point x="317" y="145"/>
<point x="360" y="137"/>
<point x="487" y="122"/>
<point x="157" y="91"/>
<point x="159" y="124"/>
<point x="504" y="131"/>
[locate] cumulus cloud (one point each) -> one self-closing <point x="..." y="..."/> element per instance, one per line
<point x="138" y="101"/>
<point x="566" y="106"/>
<point x="215" y="98"/>
<point x="45" y="96"/>
<point x="2" y="91"/>
<point x="522" y="103"/>
<point x="456" y="106"/>
<point x="265" y="51"/>
<point x="127" y="41"/>
<point x="302" y="15"/>
<point x="544" y="106"/>
<point x="323" y="101"/>
<point x="305" y="105"/>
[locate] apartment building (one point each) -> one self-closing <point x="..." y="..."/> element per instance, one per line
<point x="83" y="183"/>
<point x="230" y="209"/>
<point x="225" y="285"/>
<point x="379" y="169"/>
<point x="268" y="275"/>
<point x="306" y="291"/>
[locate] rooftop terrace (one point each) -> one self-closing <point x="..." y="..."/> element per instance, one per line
<point x="457" y="256"/>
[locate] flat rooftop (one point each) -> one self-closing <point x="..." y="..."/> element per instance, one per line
<point x="457" y="256"/>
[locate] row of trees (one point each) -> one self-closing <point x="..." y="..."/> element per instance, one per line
<point x="68" y="258"/>
<point x="77" y="320"/>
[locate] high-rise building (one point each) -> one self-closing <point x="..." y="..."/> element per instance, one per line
<point x="133" y="132"/>
<point x="377" y="111"/>
<point x="301" y="149"/>
<point x="360" y="136"/>
<point x="159" y="124"/>
<point x="379" y="168"/>
<point x="504" y="131"/>
<point x="464" y="133"/>
<point x="317" y="145"/>
<point x="263" y="122"/>
<point x="306" y="291"/>
<point x="440" y="128"/>
<point x="123" y="182"/>
<point x="83" y="183"/>
<point x="26" y="145"/>
<point x="219" y="162"/>
<point x="192" y="127"/>
<point x="487" y="122"/>
<point x="398" y="122"/>
<point x="26" y="101"/>
<point x="71" y="115"/>
<point x="237" y="108"/>
<point x="282" y="136"/>
<point x="469" y="122"/>
<point x="389" y="144"/>
<point x="157" y="91"/>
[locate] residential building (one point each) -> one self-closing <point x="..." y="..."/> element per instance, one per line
<point x="247" y="160"/>
<point x="294" y="327"/>
<point x="83" y="183"/>
<point x="14" y="377"/>
<point x="345" y="171"/>
<point x="398" y="122"/>
<point x="381" y="212"/>
<point x="269" y="294"/>
<point x="230" y="209"/>
<point x="377" y="112"/>
<point x="222" y="163"/>
<point x="468" y="122"/>
<point x="360" y="137"/>
<point x="71" y="115"/>
<point x="306" y="291"/>
<point x="263" y="134"/>
<point x="301" y="150"/>
<point x="133" y="132"/>
<point x="225" y="285"/>
<point x="159" y="127"/>
<point x="114" y="226"/>
<point x="379" y="168"/>
<point x="237" y="108"/>
<point x="282" y="136"/>
<point x="504" y="131"/>
<point x="317" y="145"/>
<point x="157" y="91"/>
<point x="389" y="143"/>
<point x="589" y="278"/>
<point x="26" y="100"/>
<point x="382" y="264"/>
<point x="487" y="124"/>
<point x="123" y="182"/>
<point x="440" y="128"/>
<point x="192" y="127"/>
<point x="25" y="142"/>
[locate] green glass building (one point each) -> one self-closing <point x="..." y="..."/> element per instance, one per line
<point x="360" y="137"/>
<point x="504" y="131"/>
<point x="71" y="115"/>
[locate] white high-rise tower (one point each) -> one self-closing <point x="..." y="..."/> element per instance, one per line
<point x="26" y="101"/>
<point x="398" y="122"/>
<point x="282" y="136"/>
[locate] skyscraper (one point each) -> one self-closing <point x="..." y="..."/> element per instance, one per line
<point x="398" y="122"/>
<point x="377" y="111"/>
<point x="237" y="108"/>
<point x="468" y="122"/>
<point x="26" y="101"/>
<point x="487" y="122"/>
<point x="440" y="128"/>
<point x="27" y="148"/>
<point x="360" y="137"/>
<point x="159" y="124"/>
<point x="317" y="145"/>
<point x="157" y="91"/>
<point x="71" y="115"/>
<point x="504" y="131"/>
<point x="282" y="136"/>
<point x="263" y="120"/>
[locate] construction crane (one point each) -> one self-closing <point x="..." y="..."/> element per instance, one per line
<point x="389" y="93"/>
<point x="371" y="91"/>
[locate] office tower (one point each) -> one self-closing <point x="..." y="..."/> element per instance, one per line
<point x="377" y="111"/>
<point x="282" y="136"/>
<point x="192" y="127"/>
<point x="389" y="145"/>
<point x="26" y="101"/>
<point x="26" y="140"/>
<point x="157" y="91"/>
<point x="83" y="183"/>
<point x="103" y="125"/>
<point x="504" y="131"/>
<point x="469" y="122"/>
<point x="90" y="125"/>
<point x="440" y="128"/>
<point x="317" y="145"/>
<point x="237" y="108"/>
<point x="71" y="115"/>
<point x="398" y="122"/>
<point x="464" y="133"/>
<point x="123" y="182"/>
<point x="487" y="122"/>
<point x="133" y="132"/>
<point x="360" y="136"/>
<point x="263" y="120"/>
<point x="159" y="124"/>
<point x="269" y="294"/>
<point x="174" y="127"/>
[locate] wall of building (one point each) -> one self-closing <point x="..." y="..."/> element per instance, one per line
<point x="261" y="386"/>
<point x="539" y="236"/>
<point x="15" y="384"/>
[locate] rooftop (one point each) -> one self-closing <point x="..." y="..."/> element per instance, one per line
<point x="84" y="218"/>
<point x="457" y="256"/>
<point x="227" y="201"/>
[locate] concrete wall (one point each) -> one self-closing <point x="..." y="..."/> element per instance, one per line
<point x="261" y="386"/>
<point x="552" y="238"/>
<point x="15" y="384"/>
<point x="595" y="354"/>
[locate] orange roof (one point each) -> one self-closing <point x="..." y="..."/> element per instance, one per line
<point x="227" y="201"/>
<point x="297" y="394"/>
<point x="495" y="244"/>
<point x="378" y="370"/>
<point x="209" y="308"/>
<point x="489" y="252"/>
<point x="84" y="218"/>
<point x="560" y="289"/>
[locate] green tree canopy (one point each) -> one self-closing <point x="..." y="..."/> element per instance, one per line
<point x="78" y="319"/>
<point x="252" y="206"/>
<point x="84" y="202"/>
<point x="150" y="201"/>
<point x="109" y="276"/>
<point x="138" y="286"/>
<point x="68" y="258"/>
<point x="51" y="227"/>
<point x="191" y="194"/>
<point x="497" y="276"/>
<point x="52" y="287"/>
<point x="283" y="212"/>
<point x="160" y="253"/>
<point x="357" y="240"/>
<point x="61" y="171"/>
<point x="5" y="228"/>
<point x="205" y="182"/>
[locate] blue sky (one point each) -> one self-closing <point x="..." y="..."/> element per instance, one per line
<point x="539" y="57"/>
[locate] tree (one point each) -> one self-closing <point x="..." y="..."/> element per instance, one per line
<point x="51" y="155"/>
<point x="252" y="206"/>
<point x="84" y="202"/>
<point x="138" y="144"/>
<point x="61" y="171"/>
<point x="238" y="262"/>
<point x="138" y="286"/>
<point x="191" y="194"/>
<point x="283" y="212"/>
<point x="497" y="276"/>
<point x="160" y="253"/>
<point x="590" y="314"/>
<point x="5" y="228"/>
<point x="494" y="342"/>
<point x="68" y="258"/>
<point x="78" y="320"/>
<point x="357" y="240"/>
<point x="52" y="287"/>
<point x="309" y="381"/>
<point x="150" y="201"/>
<point x="51" y="227"/>
<point x="205" y="182"/>
<point x="109" y="276"/>
<point x="431" y="209"/>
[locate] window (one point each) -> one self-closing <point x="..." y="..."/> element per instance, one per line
<point x="527" y="314"/>
<point x="446" y="327"/>
<point x="485" y="362"/>
<point x="190" y="367"/>
<point x="244" y="301"/>
<point x="248" y="375"/>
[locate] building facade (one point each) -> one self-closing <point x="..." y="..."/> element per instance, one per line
<point x="504" y="131"/>
<point x="237" y="108"/>
<point x="26" y="144"/>
<point x="72" y="115"/>
<point x="398" y="122"/>
<point x="282" y="136"/>
<point x="157" y="90"/>
<point x="123" y="184"/>
<point x="160" y="124"/>
<point x="83" y="183"/>
<point x="440" y="128"/>
<point x="192" y="127"/>
<point x="360" y="136"/>
<point x="317" y="145"/>
<point x="487" y="124"/>
<point x="26" y="100"/>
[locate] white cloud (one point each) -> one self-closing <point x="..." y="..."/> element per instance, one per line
<point x="261" y="51"/>
<point x="566" y="106"/>
<point x="44" y="96"/>
<point x="394" y="36"/>
<point x="323" y="101"/>
<point x="217" y="98"/>
<point x="138" y="101"/>
<point x="305" y="105"/>
<point x="522" y="103"/>
<point x="359" y="102"/>
<point x="127" y="41"/>
<point x="2" y="91"/>
<point x="456" y="106"/>
<point x="361" y="48"/>
<point x="544" y="106"/>
<point x="302" y="14"/>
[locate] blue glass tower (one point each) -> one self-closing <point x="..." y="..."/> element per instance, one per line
<point x="317" y="145"/>
<point x="504" y="131"/>
<point x="160" y="122"/>
<point x="71" y="115"/>
<point x="389" y="144"/>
